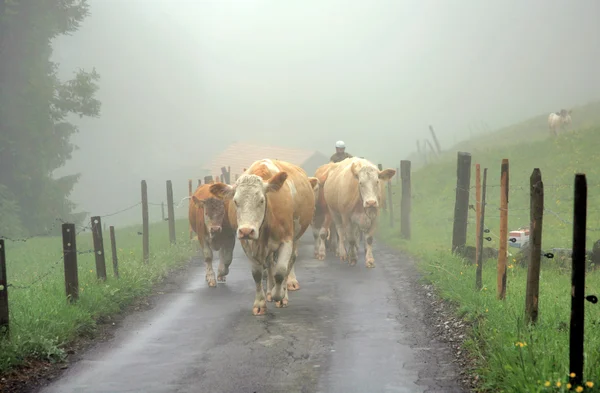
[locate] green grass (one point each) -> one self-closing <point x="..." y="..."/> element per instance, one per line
<point x="501" y="363"/>
<point x="41" y="321"/>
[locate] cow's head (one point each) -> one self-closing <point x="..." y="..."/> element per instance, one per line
<point x="214" y="212"/>
<point x="250" y="201"/>
<point x="369" y="178"/>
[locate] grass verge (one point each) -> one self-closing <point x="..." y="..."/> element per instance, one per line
<point x="41" y="321"/>
<point x="509" y="356"/>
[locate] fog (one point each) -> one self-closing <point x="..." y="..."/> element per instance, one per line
<point x="181" y="80"/>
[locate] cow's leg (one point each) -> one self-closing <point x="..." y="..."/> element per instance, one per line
<point x="353" y="234"/>
<point x="270" y="277"/>
<point x="369" y="259"/>
<point x="208" y="259"/>
<point x="316" y="238"/>
<point x="279" y="292"/>
<point x="340" y="226"/>
<point x="292" y="281"/>
<point x="325" y="230"/>
<point x="225" y="257"/>
<point x="260" y="301"/>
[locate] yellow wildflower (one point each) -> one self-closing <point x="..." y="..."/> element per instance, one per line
<point x="558" y="384"/>
<point x="579" y="389"/>
<point x="589" y="384"/>
<point x="572" y="375"/>
<point x="547" y="383"/>
<point x="569" y="386"/>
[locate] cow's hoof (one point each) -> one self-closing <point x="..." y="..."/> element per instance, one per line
<point x="370" y="263"/>
<point x="282" y="303"/>
<point x="269" y="297"/>
<point x="257" y="310"/>
<point x="222" y="278"/>
<point x="293" y="285"/>
<point x="352" y="262"/>
<point x="211" y="282"/>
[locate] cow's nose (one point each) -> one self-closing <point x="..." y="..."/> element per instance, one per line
<point x="244" y="233"/>
<point x="215" y="229"/>
<point x="371" y="203"/>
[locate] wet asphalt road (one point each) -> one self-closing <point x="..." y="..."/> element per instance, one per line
<point x="348" y="329"/>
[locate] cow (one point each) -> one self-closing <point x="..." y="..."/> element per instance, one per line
<point x="353" y="193"/>
<point x="272" y="205"/>
<point x="322" y="224"/>
<point x="208" y="220"/>
<point x="558" y="120"/>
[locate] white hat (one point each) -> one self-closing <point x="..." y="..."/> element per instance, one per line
<point x="340" y="144"/>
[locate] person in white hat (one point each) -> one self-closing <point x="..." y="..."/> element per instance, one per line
<point x="340" y="152"/>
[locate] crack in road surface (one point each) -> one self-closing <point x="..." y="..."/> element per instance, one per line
<point x="348" y="329"/>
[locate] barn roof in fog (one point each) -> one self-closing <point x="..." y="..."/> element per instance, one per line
<point x="241" y="155"/>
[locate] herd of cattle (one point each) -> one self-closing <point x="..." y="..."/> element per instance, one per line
<point x="269" y="208"/>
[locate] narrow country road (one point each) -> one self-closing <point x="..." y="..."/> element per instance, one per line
<point x="348" y="329"/>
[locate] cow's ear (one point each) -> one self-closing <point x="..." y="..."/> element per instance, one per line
<point x="276" y="182"/>
<point x="387" y="174"/>
<point x="222" y="190"/>
<point x="354" y="169"/>
<point x="314" y="182"/>
<point x="198" y="202"/>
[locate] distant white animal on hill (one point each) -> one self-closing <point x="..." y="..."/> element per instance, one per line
<point x="558" y="120"/>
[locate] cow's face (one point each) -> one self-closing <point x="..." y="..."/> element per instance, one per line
<point x="249" y="197"/>
<point x="369" y="186"/>
<point x="214" y="212"/>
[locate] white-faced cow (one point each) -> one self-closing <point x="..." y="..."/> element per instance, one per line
<point x="353" y="193"/>
<point x="558" y="120"/>
<point x="273" y="204"/>
<point x="211" y="224"/>
<point x="324" y="232"/>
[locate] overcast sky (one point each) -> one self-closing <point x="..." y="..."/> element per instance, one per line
<point x="182" y="79"/>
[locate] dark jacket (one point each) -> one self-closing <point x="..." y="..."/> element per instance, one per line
<point x="339" y="157"/>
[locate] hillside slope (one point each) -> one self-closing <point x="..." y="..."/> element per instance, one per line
<point x="558" y="159"/>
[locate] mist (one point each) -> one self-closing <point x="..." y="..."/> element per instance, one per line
<point x="181" y="80"/>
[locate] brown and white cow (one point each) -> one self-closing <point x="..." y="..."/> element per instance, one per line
<point x="558" y="120"/>
<point x="273" y="204"/>
<point x="211" y="224"/>
<point x="353" y="193"/>
<point x="322" y="225"/>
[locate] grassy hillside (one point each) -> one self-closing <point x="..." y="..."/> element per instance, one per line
<point x="531" y="130"/>
<point x="42" y="322"/>
<point x="504" y="363"/>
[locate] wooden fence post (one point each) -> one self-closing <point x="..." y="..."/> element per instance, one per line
<point x="502" y="248"/>
<point x="70" y="262"/>
<point x="145" y="224"/>
<point x="435" y="140"/>
<point x="461" y="205"/>
<point x="477" y="209"/>
<point x="380" y="167"/>
<point x="98" y="248"/>
<point x="389" y="191"/>
<point x="208" y="179"/>
<point x="405" y="203"/>
<point x="578" y="281"/>
<point x="189" y="203"/>
<point x="479" y="253"/>
<point x="113" y="249"/>
<point x="171" y="210"/>
<point x="225" y="176"/>
<point x="199" y="182"/>
<point x="4" y="320"/>
<point x="536" y="215"/>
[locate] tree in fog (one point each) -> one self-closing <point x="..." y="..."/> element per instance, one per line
<point x="35" y="107"/>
